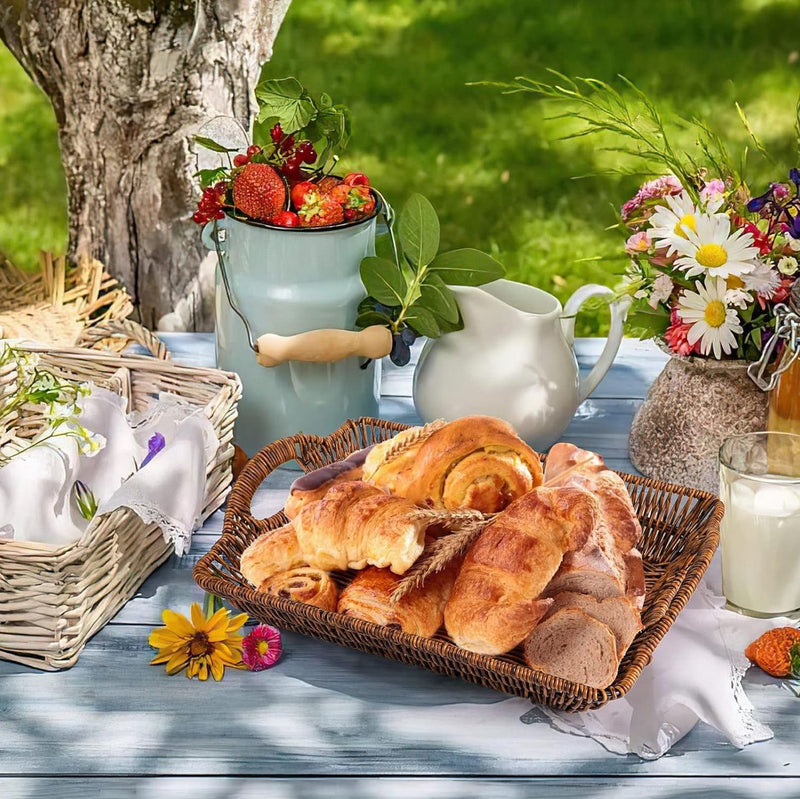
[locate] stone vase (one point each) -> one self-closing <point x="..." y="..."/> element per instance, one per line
<point x="693" y="405"/>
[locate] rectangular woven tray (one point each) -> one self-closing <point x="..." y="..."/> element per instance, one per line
<point x="680" y="534"/>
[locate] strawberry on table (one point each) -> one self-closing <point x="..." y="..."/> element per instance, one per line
<point x="259" y="191"/>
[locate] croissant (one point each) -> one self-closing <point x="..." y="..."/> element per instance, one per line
<point x="420" y="611"/>
<point x="305" y="584"/>
<point x="608" y="564"/>
<point x="355" y="525"/>
<point x="495" y="600"/>
<point x="474" y="462"/>
<point x="314" y="485"/>
<point x="273" y="552"/>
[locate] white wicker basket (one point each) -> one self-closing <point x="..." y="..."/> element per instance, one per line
<point x="52" y="600"/>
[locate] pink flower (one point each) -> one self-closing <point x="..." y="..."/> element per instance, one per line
<point x="261" y="648"/>
<point x="712" y="190"/>
<point x="637" y="243"/>
<point x="677" y="334"/>
<point x="653" y="189"/>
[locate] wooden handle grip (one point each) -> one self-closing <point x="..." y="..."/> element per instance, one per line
<point x="324" y="346"/>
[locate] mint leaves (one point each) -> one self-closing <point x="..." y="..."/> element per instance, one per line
<point x="412" y="290"/>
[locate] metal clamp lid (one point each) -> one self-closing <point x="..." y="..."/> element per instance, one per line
<point x="787" y="328"/>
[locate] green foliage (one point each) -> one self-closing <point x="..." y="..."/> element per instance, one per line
<point x="411" y="290"/>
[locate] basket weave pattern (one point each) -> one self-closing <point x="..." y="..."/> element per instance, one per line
<point x="680" y="534"/>
<point x="52" y="600"/>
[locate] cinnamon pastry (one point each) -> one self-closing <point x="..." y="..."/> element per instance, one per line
<point x="314" y="485"/>
<point x="305" y="584"/>
<point x="272" y="552"/>
<point x="495" y="601"/>
<point x="420" y="611"/>
<point x="355" y="525"/>
<point x="473" y="462"/>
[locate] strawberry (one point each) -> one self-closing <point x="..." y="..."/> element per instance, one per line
<point x="259" y="191"/>
<point x="300" y="190"/>
<point x="356" y="201"/>
<point x="328" y="183"/>
<point x="285" y="219"/>
<point x="319" y="209"/>
<point x="356" y="179"/>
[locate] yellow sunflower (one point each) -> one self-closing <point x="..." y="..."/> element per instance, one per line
<point x="204" y="644"/>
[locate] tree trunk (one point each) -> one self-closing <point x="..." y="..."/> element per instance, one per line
<point x="131" y="81"/>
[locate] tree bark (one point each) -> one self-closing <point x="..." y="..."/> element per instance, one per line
<point x="130" y="82"/>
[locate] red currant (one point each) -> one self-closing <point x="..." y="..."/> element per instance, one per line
<point x="252" y="150"/>
<point x="276" y="134"/>
<point x="240" y="160"/>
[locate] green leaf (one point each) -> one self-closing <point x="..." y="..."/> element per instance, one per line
<point x="261" y="131"/>
<point x="383" y="280"/>
<point x="372" y="317"/>
<point x="209" y="176"/>
<point x="467" y="267"/>
<point x="646" y="322"/>
<point x="423" y="321"/>
<point x="286" y="100"/>
<point x="437" y="297"/>
<point x="450" y="327"/>
<point x="418" y="231"/>
<point x="210" y="144"/>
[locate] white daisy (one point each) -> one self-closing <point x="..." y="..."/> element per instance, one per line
<point x="671" y="222"/>
<point x="713" y="323"/>
<point x="764" y="280"/>
<point x="711" y="249"/>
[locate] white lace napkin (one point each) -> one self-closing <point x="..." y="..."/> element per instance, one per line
<point x="695" y="675"/>
<point x="36" y="487"/>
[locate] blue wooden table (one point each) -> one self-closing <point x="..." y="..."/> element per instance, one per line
<point x="327" y="721"/>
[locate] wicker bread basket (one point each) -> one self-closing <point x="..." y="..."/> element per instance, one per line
<point x="52" y="600"/>
<point x="680" y="533"/>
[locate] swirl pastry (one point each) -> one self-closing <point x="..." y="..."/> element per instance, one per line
<point x="495" y="601"/>
<point x="305" y="584"/>
<point x="314" y="485"/>
<point x="272" y="552"/>
<point x="420" y="611"/>
<point x="474" y="462"/>
<point x="355" y="525"/>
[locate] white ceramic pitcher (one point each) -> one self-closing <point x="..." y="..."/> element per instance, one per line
<point x="513" y="359"/>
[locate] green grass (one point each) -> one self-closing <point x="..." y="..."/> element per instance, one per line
<point x="491" y="164"/>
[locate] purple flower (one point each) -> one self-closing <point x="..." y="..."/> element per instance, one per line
<point x="794" y="176"/>
<point x="156" y="443"/>
<point x="757" y="203"/>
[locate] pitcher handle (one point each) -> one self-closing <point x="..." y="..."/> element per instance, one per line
<point x="619" y="310"/>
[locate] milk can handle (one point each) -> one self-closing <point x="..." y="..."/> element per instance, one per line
<point x="787" y="328"/>
<point x="315" y="346"/>
<point x="618" y="309"/>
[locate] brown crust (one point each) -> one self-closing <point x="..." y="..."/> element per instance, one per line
<point x="304" y="584"/>
<point x="271" y="553"/>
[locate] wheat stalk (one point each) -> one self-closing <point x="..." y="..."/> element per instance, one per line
<point x="411" y="438"/>
<point x="444" y="550"/>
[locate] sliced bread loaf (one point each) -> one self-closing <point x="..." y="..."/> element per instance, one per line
<point x="574" y="646"/>
<point x="618" y="613"/>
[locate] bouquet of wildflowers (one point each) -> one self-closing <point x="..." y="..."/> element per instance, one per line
<point x="709" y="262"/>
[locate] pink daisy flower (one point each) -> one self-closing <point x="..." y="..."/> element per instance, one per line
<point x="261" y="648"/>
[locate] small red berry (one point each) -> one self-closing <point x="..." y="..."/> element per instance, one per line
<point x="252" y="150"/>
<point x="287" y="144"/>
<point x="240" y="160"/>
<point x="300" y="190"/>
<point x="276" y="134"/>
<point x="199" y="217"/>
<point x="285" y="219"/>
<point x="356" y="179"/>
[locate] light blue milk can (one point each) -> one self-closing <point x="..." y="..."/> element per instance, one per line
<point x="288" y="281"/>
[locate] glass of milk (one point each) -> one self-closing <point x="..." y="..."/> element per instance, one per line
<point x="760" y="532"/>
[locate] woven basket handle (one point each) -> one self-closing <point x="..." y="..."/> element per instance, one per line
<point x="135" y="332"/>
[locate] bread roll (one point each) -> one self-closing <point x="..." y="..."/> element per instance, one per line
<point x="355" y="525"/>
<point x="496" y="600"/>
<point x="574" y="646"/>
<point x="314" y="485"/>
<point x="304" y="584"/>
<point x="473" y="462"/>
<point x="419" y="612"/>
